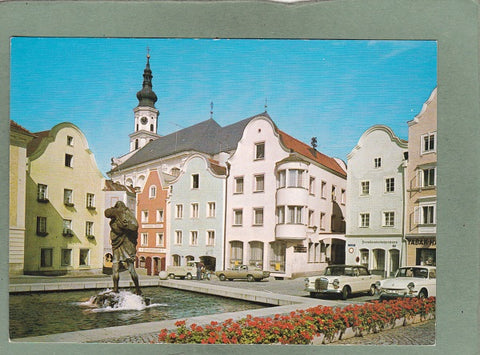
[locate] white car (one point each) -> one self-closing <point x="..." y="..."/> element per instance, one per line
<point x="410" y="281"/>
<point x="343" y="280"/>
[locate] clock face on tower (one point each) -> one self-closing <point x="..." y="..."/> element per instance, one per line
<point x="143" y="120"/>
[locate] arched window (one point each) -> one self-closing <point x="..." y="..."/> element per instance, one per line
<point x="142" y="262"/>
<point x="136" y="143"/>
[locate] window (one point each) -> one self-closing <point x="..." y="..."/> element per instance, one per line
<point x="144" y="239"/>
<point x="42" y="226"/>
<point x="428" y="215"/>
<point x="89" y="229"/>
<point x="68" y="197"/>
<point x="238" y="185"/>
<point x="193" y="238"/>
<point x="151" y="127"/>
<point x="160" y="216"/>
<point x="68" y="160"/>
<point x="364" y="220"/>
<point x="343" y="196"/>
<point x="259" y="183"/>
<point x="428" y="143"/>
<point x="322" y="220"/>
<point x="194" y="210"/>
<point x="390" y="184"/>
<point x="334" y="193"/>
<point x="428" y="177"/>
<point x="46" y="257"/>
<point x="195" y="181"/>
<point x="311" y="214"/>
<point x="294" y="214"/>
<point x="211" y="209"/>
<point x="159" y="239"/>
<point x="69" y="140"/>
<point x="237" y="217"/>
<point x="84" y="257"/>
<point x="388" y="219"/>
<point x="365" y="185"/>
<point x="178" y="237"/>
<point x="259" y="151"/>
<point x="323" y="189"/>
<point x="281" y="179"/>
<point x="211" y="238"/>
<point x="236" y="252"/>
<point x="67" y="227"/>
<point x="42" y="193"/>
<point x="258" y="216"/>
<point x="90" y="201"/>
<point x="311" y="186"/>
<point x="144" y="216"/>
<point x="152" y="192"/>
<point x="281" y="215"/>
<point x="179" y="211"/>
<point x="66" y="257"/>
<point x="176" y="260"/>
<point x="377" y="162"/>
<point x="295" y="178"/>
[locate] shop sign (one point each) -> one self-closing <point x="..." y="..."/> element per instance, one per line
<point x="422" y="241"/>
<point x="299" y="249"/>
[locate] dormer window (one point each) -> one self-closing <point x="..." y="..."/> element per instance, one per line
<point x="70" y="141"/>
<point x="195" y="181"/>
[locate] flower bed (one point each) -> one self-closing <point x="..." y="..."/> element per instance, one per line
<point x="304" y="326"/>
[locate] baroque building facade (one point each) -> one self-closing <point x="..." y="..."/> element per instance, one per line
<point x="421" y="215"/>
<point x="19" y="138"/>
<point x="376" y="195"/>
<point x="64" y="204"/>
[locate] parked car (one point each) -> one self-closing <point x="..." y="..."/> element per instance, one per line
<point x="243" y="272"/>
<point x="343" y="280"/>
<point x="188" y="271"/>
<point x="410" y="281"/>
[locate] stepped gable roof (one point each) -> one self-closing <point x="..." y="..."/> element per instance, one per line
<point x="206" y="137"/>
<point x="114" y="186"/>
<point x="310" y="153"/>
<point x="14" y="126"/>
<point x="35" y="142"/>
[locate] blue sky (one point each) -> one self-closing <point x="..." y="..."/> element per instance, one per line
<point x="331" y="89"/>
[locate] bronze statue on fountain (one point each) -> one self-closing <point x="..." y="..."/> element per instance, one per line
<point x="123" y="236"/>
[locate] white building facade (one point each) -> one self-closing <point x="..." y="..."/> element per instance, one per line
<point x="276" y="215"/>
<point x="376" y="195"/>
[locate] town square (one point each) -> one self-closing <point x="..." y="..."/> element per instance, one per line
<point x="185" y="202"/>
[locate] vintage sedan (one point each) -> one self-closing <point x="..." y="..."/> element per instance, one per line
<point x="343" y="280"/>
<point x="243" y="272"/>
<point x="410" y="281"/>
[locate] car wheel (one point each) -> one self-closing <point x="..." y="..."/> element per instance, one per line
<point x="372" y="290"/>
<point x="345" y="292"/>
<point x="222" y="277"/>
<point x="423" y="293"/>
<point x="189" y="276"/>
<point x="250" y="278"/>
<point x="171" y="276"/>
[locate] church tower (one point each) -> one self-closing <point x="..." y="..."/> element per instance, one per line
<point x="146" y="115"/>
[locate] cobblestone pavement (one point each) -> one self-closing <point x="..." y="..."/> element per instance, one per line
<point x="414" y="334"/>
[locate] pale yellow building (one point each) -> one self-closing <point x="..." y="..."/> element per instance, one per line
<point x="421" y="185"/>
<point x="19" y="138"/>
<point x="65" y="204"/>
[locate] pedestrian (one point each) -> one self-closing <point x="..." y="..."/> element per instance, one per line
<point x="199" y="271"/>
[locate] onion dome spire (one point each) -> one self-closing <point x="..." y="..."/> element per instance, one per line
<point x="146" y="96"/>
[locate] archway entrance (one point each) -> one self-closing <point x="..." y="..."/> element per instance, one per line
<point x="209" y="262"/>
